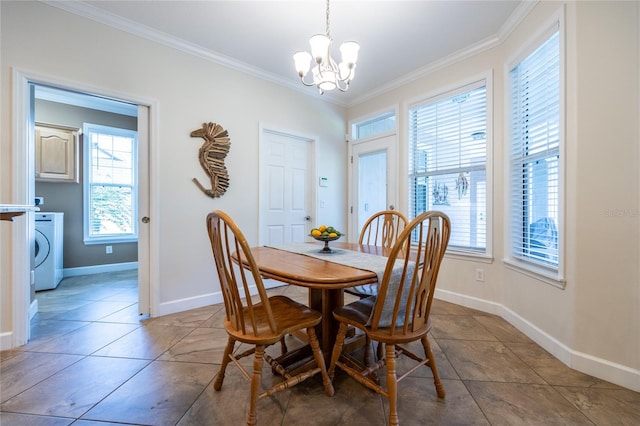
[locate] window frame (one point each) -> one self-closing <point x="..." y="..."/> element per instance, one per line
<point x="354" y="134"/>
<point x="88" y="239"/>
<point x="452" y="90"/>
<point x="546" y="273"/>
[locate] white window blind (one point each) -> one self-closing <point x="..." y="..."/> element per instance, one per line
<point x="110" y="184"/>
<point x="447" y="163"/>
<point x="535" y="155"/>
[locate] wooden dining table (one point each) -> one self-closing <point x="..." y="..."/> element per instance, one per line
<point x="325" y="279"/>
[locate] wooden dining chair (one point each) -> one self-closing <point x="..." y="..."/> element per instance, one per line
<point x="259" y="323"/>
<point x="400" y="313"/>
<point x="381" y="229"/>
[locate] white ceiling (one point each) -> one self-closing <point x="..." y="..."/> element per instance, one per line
<point x="399" y="40"/>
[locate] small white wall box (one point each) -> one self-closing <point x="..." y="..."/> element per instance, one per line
<point x="324" y="181"/>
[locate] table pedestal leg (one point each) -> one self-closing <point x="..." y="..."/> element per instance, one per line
<point x="325" y="301"/>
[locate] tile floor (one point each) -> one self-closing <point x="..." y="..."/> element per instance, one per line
<point x="92" y="361"/>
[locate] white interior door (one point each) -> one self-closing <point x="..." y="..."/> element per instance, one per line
<point x="287" y="192"/>
<point x="374" y="180"/>
<point x="144" y="291"/>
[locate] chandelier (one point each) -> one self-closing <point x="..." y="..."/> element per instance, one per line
<point x="327" y="75"/>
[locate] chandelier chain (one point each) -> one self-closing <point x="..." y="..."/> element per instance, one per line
<point x="328" y="27"/>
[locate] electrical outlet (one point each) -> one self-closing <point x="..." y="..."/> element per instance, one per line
<point x="480" y="275"/>
<point x="109" y="249"/>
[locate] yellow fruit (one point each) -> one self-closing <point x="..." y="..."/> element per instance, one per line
<point x="322" y="228"/>
<point x="333" y="234"/>
<point x="316" y="233"/>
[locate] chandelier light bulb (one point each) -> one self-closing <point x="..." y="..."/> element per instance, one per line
<point x="320" y="45"/>
<point x="349" y="51"/>
<point x="303" y="62"/>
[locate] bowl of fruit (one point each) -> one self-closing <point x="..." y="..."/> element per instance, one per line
<point x="325" y="234"/>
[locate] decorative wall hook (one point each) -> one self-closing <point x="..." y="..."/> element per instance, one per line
<point x="211" y="155"/>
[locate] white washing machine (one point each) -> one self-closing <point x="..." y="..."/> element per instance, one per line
<point x="49" y="237"/>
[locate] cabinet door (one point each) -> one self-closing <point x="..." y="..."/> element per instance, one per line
<point x="56" y="153"/>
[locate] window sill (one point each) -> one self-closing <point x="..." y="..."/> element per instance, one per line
<point x="540" y="274"/>
<point x="469" y="256"/>
<point x="110" y="241"/>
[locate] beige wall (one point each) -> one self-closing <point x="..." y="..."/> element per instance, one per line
<point x="593" y="324"/>
<point x="185" y="91"/>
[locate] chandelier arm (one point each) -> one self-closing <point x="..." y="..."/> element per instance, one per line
<point x="329" y="64"/>
<point x="349" y="76"/>
<point x="305" y="83"/>
<point x="346" y="85"/>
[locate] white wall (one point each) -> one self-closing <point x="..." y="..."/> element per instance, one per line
<point x="187" y="91"/>
<point x="593" y="324"/>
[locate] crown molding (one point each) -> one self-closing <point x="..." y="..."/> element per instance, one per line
<point x="93" y="13"/>
<point x="488" y="43"/>
<point x="98" y="15"/>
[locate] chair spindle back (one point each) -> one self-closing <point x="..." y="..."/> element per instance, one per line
<point x="404" y="304"/>
<point x="383" y="228"/>
<point x="230" y="251"/>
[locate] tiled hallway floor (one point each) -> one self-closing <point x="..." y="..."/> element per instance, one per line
<point x="92" y="361"/>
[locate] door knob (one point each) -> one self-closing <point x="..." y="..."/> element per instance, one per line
<point x="391" y="207"/>
<point x="307" y="218"/>
<point x="145" y="219"/>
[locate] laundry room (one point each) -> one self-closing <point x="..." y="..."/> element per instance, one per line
<point x="70" y="238"/>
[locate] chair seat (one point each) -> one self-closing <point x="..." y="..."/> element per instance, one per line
<point x="357" y="314"/>
<point x="289" y="315"/>
<point x="364" y="290"/>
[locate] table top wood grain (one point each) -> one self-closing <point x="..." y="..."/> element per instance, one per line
<point x="307" y="271"/>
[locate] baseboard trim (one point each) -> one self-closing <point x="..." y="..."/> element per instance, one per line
<point x="33" y="309"/>
<point x="6" y="341"/>
<point x="6" y="338"/>
<point x="601" y="368"/>
<point x="188" y="303"/>
<point x="98" y="269"/>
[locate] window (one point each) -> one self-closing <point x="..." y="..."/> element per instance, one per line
<point x="382" y="123"/>
<point x="448" y="163"/>
<point x="535" y="163"/>
<point x="110" y="185"/>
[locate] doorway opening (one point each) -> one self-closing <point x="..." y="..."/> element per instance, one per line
<point x="71" y="276"/>
<point x="24" y="156"/>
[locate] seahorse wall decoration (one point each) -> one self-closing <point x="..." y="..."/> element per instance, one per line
<point x="211" y="155"/>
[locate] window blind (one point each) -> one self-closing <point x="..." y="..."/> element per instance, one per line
<point x="447" y="163"/>
<point x="535" y="155"/>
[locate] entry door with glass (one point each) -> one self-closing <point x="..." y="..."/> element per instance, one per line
<point x="374" y="180"/>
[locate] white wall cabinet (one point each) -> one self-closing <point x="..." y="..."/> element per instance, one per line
<point x="56" y="153"/>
